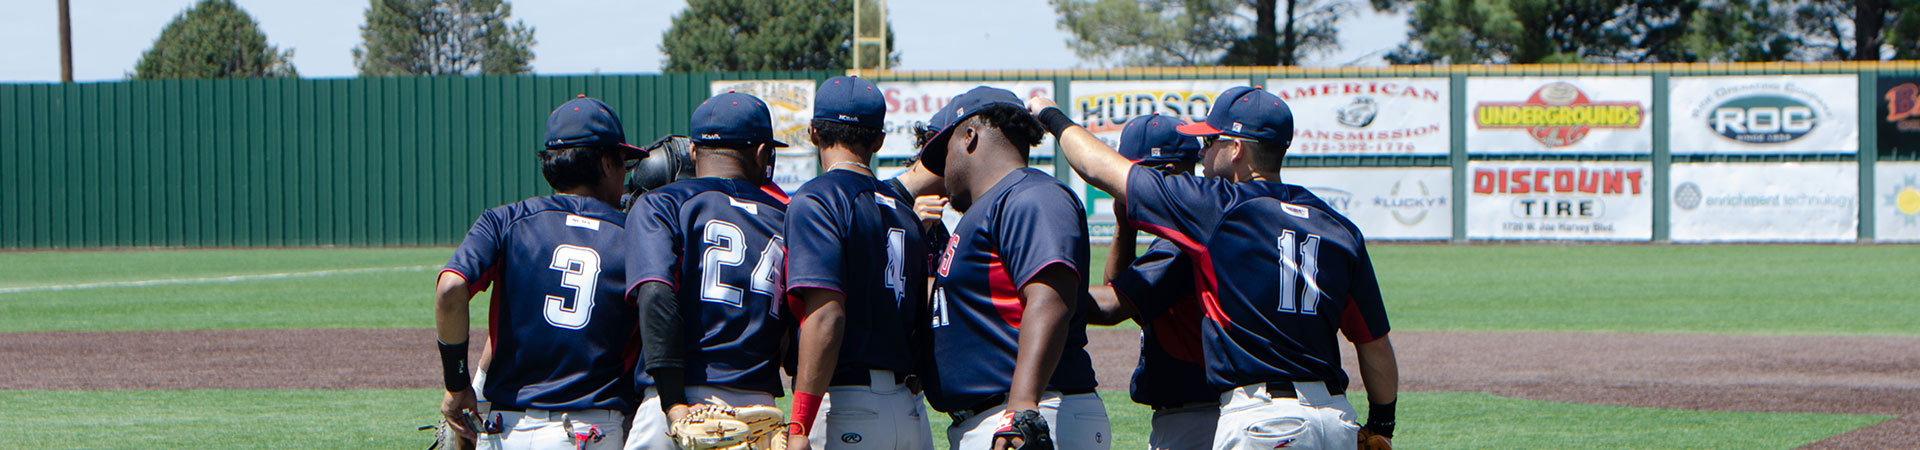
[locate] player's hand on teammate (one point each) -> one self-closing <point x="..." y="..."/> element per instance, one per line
<point x="457" y="408"/>
<point x="1039" y="103"/>
<point x="929" y="207"/>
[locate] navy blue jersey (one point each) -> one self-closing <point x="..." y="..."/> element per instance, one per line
<point x="1280" y="274"/>
<point x="935" y="236"/>
<point x="1172" y="369"/>
<point x="1026" y="222"/>
<point x="562" y="333"/>
<point x="849" y="233"/>
<point x="717" y="242"/>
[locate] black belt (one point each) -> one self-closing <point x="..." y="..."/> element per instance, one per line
<point x="864" y="379"/>
<point x="1284" y="389"/>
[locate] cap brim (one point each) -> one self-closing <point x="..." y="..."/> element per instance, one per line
<point x="777" y="144"/>
<point x="1197" y="129"/>
<point x="934" y="155"/>
<point x="634" y="152"/>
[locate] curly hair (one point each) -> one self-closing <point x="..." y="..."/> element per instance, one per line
<point x="1019" y="126"/>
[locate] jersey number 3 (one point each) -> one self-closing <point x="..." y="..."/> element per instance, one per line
<point x="580" y="271"/>
<point x="1299" y="265"/>
<point x="725" y="248"/>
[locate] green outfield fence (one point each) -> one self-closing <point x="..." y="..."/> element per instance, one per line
<point x="411" y="160"/>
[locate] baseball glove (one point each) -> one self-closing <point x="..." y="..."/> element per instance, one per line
<point x="1371" y="441"/>
<point x="717" y="425"/>
<point x="1027" y="425"/>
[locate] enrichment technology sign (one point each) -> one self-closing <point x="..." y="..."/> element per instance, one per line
<point x="910" y="102"/>
<point x="1104" y="107"/>
<point x="1731" y="202"/>
<point x="1795" y="114"/>
<point x="1397" y="203"/>
<point x="1367" y="116"/>
<point x="1560" y="200"/>
<point x="1560" y="115"/>
<point x="791" y="104"/>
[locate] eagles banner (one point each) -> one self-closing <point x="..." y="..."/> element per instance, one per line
<point x="1560" y="115"/>
<point x="1367" y="116"/>
<point x="791" y="104"/>
<point x="1795" y="114"/>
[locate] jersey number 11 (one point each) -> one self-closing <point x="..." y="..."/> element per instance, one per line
<point x="1299" y="265"/>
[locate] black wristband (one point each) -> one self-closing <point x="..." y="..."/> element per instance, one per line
<point x="453" y="366"/>
<point x="670" y="384"/>
<point x="1055" y="120"/>
<point x="1380" y="418"/>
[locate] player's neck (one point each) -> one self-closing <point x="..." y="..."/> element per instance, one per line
<point x="722" y="166"/>
<point x="842" y="158"/>
<point x="989" y="171"/>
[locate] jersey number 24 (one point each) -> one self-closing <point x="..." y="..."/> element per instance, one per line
<point x="726" y="248"/>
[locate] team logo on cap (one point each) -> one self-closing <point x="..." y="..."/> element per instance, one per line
<point x="710" y="136"/>
<point x="847" y="117"/>
<point x="1236" y="127"/>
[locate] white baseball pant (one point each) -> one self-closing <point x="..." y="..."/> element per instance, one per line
<point x="1077" y="422"/>
<point x="1253" y="418"/>
<point x="650" y="424"/>
<point x="882" y="415"/>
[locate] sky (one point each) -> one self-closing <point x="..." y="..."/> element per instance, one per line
<point x="580" y="36"/>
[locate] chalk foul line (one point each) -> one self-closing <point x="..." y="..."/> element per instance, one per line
<point x="209" y="280"/>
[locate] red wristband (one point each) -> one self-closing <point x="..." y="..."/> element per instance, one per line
<point x="805" y="405"/>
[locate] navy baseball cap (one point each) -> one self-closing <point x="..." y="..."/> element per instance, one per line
<point x="1154" y="139"/>
<point x="851" y="101"/>
<point x="586" y="122"/>
<point x="1247" y="113"/>
<point x="934" y="156"/>
<point x="733" y="118"/>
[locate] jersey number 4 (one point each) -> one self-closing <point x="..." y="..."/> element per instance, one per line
<point x="1299" y="265"/>
<point x="580" y="271"/>
<point x="726" y="248"/>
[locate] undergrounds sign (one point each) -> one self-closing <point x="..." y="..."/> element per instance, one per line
<point x="1560" y="115"/>
<point x="1732" y="202"/>
<point x="1367" y="116"/>
<point x="1560" y="200"/>
<point x="1796" y="114"/>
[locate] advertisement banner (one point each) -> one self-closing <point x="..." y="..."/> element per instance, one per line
<point x="1897" y="199"/>
<point x="1764" y="114"/>
<point x="1397" y="203"/>
<point x="1899" y="114"/>
<point x="1560" y="200"/>
<point x="1732" y="202"/>
<point x="1560" y="115"/>
<point x="1104" y="107"/>
<point x="790" y="102"/>
<point x="910" y="102"/>
<point x="1367" y="116"/>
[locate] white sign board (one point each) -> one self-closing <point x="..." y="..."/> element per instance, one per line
<point x="790" y="102"/>
<point x="1560" y="115"/>
<point x="1732" y="202"/>
<point x="1104" y="107"/>
<point x="1366" y="116"/>
<point x="1560" y="200"/>
<point x="910" y="102"/>
<point x="1397" y="203"/>
<point x="1896" y="201"/>
<point x="1765" y="114"/>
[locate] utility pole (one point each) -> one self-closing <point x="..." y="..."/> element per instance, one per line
<point x="869" y="36"/>
<point x="66" y="44"/>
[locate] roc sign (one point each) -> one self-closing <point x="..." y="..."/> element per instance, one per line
<point x="1765" y="114"/>
<point x="1575" y="115"/>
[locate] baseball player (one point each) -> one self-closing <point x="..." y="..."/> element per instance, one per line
<point x="1156" y="290"/>
<point x="1008" y="338"/>
<point x="707" y="270"/>
<point x="1295" y="274"/>
<point x="558" y="330"/>
<point x="856" y="263"/>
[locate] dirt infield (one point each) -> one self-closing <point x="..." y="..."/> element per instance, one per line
<point x="1814" y="374"/>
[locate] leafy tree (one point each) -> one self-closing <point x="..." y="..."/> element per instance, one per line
<point x="1201" y="32"/>
<point x="443" y="37"/>
<point x="738" y="35"/>
<point x="213" y="39"/>
<point x="1543" y="31"/>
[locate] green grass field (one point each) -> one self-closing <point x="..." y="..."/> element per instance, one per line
<point x="1814" y="290"/>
